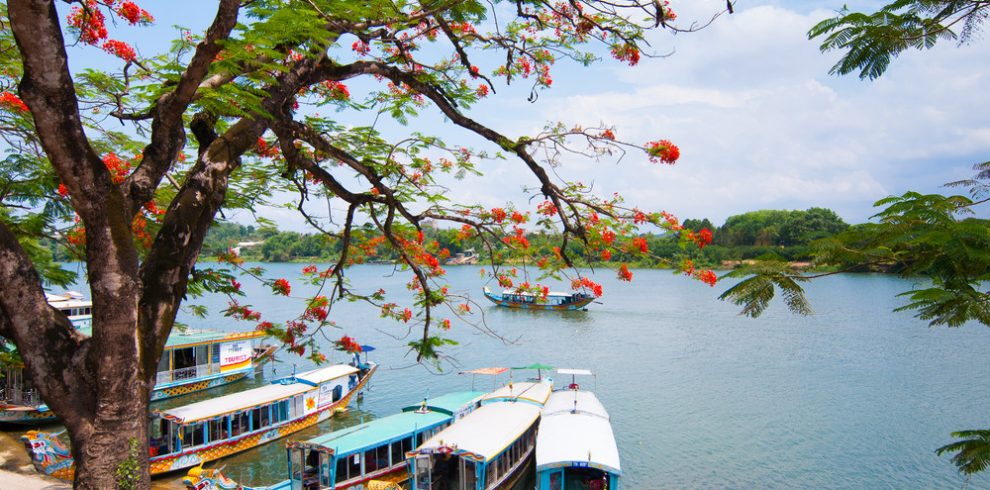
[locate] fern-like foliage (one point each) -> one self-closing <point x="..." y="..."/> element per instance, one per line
<point x="870" y="41"/>
<point x="972" y="453"/>
<point x="760" y="285"/>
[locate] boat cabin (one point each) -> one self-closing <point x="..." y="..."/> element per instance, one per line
<point x="72" y="305"/>
<point x="487" y="449"/>
<point x="376" y="449"/>
<point x="201" y="354"/>
<point x="194" y="427"/>
<point x="575" y="448"/>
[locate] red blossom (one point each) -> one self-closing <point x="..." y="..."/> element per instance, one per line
<point x="347" y="344"/>
<point x="640" y="243"/>
<point x="704" y="237"/>
<point x="134" y="14"/>
<point x="337" y="90"/>
<point x="12" y="102"/>
<point x="406" y="315"/>
<point x="606" y="255"/>
<point x="518" y="217"/>
<point x="120" y="49"/>
<point x="281" y="286"/>
<point x="89" y="22"/>
<point x="608" y="134"/>
<point x="63" y="190"/>
<point x="624" y="273"/>
<point x="481" y="91"/>
<point x="360" y="47"/>
<point x="309" y="269"/>
<point x="547" y="208"/>
<point x="663" y="151"/>
<point x="498" y="214"/>
<point x="445" y="324"/>
<point x="708" y="277"/>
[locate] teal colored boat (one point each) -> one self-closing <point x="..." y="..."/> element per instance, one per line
<point x="368" y="455"/>
<point x="511" y="298"/>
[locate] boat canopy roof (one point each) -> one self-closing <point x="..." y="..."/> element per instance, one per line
<point x="569" y="437"/>
<point x="189" y="338"/>
<point x="388" y="429"/>
<point x="531" y="391"/>
<point x="235" y="402"/>
<point x="527" y="293"/>
<point x="485" y="432"/>
<point x="449" y="403"/>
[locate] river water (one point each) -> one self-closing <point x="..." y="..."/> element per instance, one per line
<point x="853" y="396"/>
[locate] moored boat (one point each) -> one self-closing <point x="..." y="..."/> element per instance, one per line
<point x="193" y="434"/>
<point x="361" y="456"/>
<point x="575" y="446"/>
<point x="488" y="449"/>
<point x="511" y="298"/>
<point x="193" y="360"/>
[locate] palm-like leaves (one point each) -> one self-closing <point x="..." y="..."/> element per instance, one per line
<point x="872" y="40"/>
<point x="972" y="454"/>
<point x="755" y="292"/>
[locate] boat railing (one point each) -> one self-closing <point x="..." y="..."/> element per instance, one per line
<point x="187" y="373"/>
<point x="26" y="398"/>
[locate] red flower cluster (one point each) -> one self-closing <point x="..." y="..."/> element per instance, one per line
<point x="481" y="91"/>
<point x="134" y="14"/>
<point x="12" y="102"/>
<point x="90" y="23"/>
<point x="498" y="214"/>
<point x="241" y="312"/>
<point x="63" y="191"/>
<point x="504" y="281"/>
<point x="348" y="345"/>
<point x="624" y="274"/>
<point x="663" y="151"/>
<point x="118" y="167"/>
<point x="519" y="218"/>
<point x="547" y="208"/>
<point x="337" y="90"/>
<point x="120" y="49"/>
<point x="281" y="286"/>
<point x="584" y="282"/>
<point x="519" y="238"/>
<point x="406" y="315"/>
<point x="708" y="277"/>
<point x="309" y="270"/>
<point x="704" y="237"/>
<point x="360" y="47"/>
<point x="608" y="134"/>
<point x="265" y="150"/>
<point x="606" y="255"/>
<point x="627" y="53"/>
<point x="640" y="243"/>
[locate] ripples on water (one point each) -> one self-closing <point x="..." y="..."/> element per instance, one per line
<point x="854" y="396"/>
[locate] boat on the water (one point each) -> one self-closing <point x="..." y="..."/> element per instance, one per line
<point x="575" y="446"/>
<point x="193" y="360"/>
<point x="488" y="449"/>
<point x="193" y="434"/>
<point x="512" y="298"/>
<point x="372" y="454"/>
<point x="73" y="305"/>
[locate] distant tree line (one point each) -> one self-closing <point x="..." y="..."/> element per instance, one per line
<point x="779" y="234"/>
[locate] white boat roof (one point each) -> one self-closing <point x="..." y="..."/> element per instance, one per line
<point x="575" y="372"/>
<point x="486" y="431"/>
<point x="236" y="402"/>
<point x="69" y="299"/>
<point x="583" y="437"/>
<point x="532" y="391"/>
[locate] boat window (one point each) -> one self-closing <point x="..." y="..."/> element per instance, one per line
<point x="354" y="465"/>
<point x="281" y="411"/>
<point x="159" y="437"/>
<point x="325" y="460"/>
<point x="297" y="406"/>
<point x="338" y="392"/>
<point x="341" y="470"/>
<point x="218" y="429"/>
<point x="265" y="415"/>
<point x="256" y="419"/>
<point x="312" y="465"/>
<point x="202" y="355"/>
<point x="238" y="424"/>
<point x="163" y="363"/>
<point x="295" y="460"/>
<point x="192" y="435"/>
<point x="376" y="459"/>
<point x="470" y="479"/>
<point x="182" y="359"/>
<point x="215" y="354"/>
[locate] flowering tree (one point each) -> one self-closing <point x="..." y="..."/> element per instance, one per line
<point x="228" y="118"/>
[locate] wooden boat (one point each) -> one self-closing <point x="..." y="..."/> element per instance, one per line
<point x="575" y="446"/>
<point x="193" y="434"/>
<point x="488" y="449"/>
<point x="511" y="298"/>
<point x="362" y="456"/>
<point x="193" y="360"/>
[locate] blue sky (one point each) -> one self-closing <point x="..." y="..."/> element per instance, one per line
<point x="749" y="101"/>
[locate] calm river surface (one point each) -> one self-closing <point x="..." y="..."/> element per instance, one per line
<point x="853" y="396"/>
